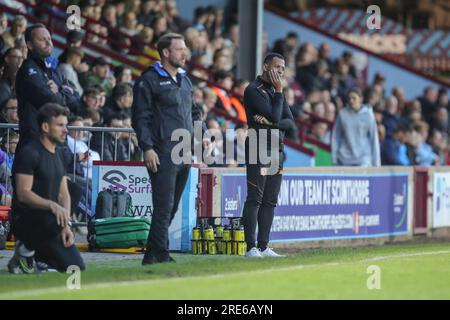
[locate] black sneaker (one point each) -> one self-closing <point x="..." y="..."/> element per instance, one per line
<point x="42" y="267"/>
<point x="150" y="259"/>
<point x="20" y="264"/>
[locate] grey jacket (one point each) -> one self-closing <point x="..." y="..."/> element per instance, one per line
<point x="355" y="138"/>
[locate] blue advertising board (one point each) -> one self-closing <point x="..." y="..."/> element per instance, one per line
<point x="329" y="206"/>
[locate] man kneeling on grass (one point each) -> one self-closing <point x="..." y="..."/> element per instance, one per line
<point x="41" y="202"/>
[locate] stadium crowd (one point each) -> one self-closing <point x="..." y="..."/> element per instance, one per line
<point x="316" y="84"/>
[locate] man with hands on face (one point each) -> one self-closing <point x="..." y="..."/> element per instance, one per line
<point x="41" y="203"/>
<point x="162" y="103"/>
<point x="266" y="108"/>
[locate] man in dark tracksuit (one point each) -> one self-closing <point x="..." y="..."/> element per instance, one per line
<point x="266" y="108"/>
<point x="37" y="83"/>
<point x="163" y="102"/>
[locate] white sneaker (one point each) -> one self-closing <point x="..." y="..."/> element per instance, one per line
<point x="270" y="253"/>
<point x="253" y="253"/>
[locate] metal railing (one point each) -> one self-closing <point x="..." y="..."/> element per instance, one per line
<point x="86" y="179"/>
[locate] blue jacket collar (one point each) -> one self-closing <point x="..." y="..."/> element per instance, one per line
<point x="163" y="73"/>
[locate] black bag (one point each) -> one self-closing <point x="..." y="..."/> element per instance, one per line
<point x="113" y="203"/>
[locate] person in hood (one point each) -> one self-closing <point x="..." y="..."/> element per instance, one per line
<point x="355" y="137"/>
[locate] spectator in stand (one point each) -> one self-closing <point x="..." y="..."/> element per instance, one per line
<point x="123" y="74"/>
<point x="225" y="80"/>
<point x="424" y="154"/>
<point x="159" y="27"/>
<point x="21" y="45"/>
<point x="391" y="117"/>
<point x="319" y="132"/>
<point x="113" y="147"/>
<point x="330" y="111"/>
<point x="148" y="12"/>
<point x="344" y="80"/>
<point x="98" y="75"/>
<point x="428" y="102"/>
<point x="91" y="99"/>
<point x="440" y="120"/>
<point x="19" y="25"/>
<point x="442" y="100"/>
<point x="287" y="48"/>
<point x="68" y="64"/>
<point x="120" y="101"/>
<point x="319" y="109"/>
<point x="102" y="97"/>
<point x="394" y="149"/>
<point x="9" y="144"/>
<point x="355" y="137"/>
<point x="399" y="93"/>
<point x="130" y="24"/>
<point x="74" y="39"/>
<point x="292" y="103"/>
<point x="306" y="68"/>
<point x="85" y="156"/>
<point x="12" y="60"/>
<point x="130" y="141"/>
<point x="9" y="112"/>
<point x="144" y="43"/>
<point x="210" y="100"/>
<point x="324" y="55"/>
<point x="439" y="143"/>
<point x="109" y="17"/>
<point x="91" y="118"/>
<point x="178" y="24"/>
<point x="221" y="60"/>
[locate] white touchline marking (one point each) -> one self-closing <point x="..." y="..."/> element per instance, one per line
<point x="30" y="293"/>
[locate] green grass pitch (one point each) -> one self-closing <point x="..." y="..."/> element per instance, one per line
<point x="408" y="271"/>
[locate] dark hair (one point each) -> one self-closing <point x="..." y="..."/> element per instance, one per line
<point x="121" y="90"/>
<point x="221" y="74"/>
<point x="92" y="114"/>
<point x="271" y="55"/>
<point x="74" y="118"/>
<point x="30" y="29"/>
<point x="166" y="40"/>
<point x="11" y="135"/>
<point x="51" y="110"/>
<point x="90" y="91"/>
<point x="403" y="127"/>
<point x="292" y="34"/>
<point x="355" y="90"/>
<point x="69" y="53"/>
<point x="114" y="116"/>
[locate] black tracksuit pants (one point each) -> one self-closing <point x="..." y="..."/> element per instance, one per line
<point x="262" y="197"/>
<point x="168" y="184"/>
<point x="43" y="235"/>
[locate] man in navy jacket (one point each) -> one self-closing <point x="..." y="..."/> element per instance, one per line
<point x="162" y="103"/>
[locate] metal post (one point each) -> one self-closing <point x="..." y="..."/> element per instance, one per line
<point x="250" y="38"/>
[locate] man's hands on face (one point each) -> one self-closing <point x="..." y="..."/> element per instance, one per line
<point x="151" y="160"/>
<point x="276" y="80"/>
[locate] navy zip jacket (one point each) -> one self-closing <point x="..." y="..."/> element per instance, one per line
<point x="160" y="106"/>
<point x="261" y="99"/>
<point x="33" y="92"/>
